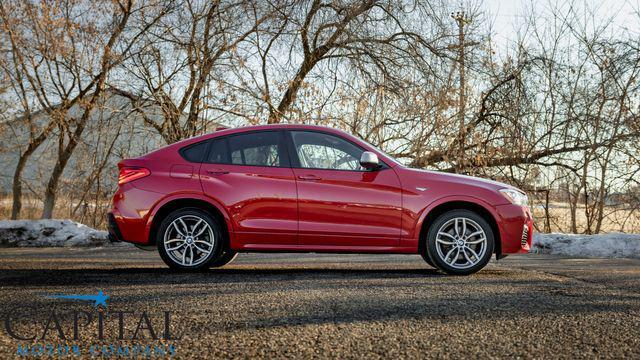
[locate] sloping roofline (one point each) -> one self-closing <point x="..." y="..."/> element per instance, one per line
<point x="250" y="128"/>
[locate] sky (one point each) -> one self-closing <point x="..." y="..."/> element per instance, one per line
<point x="505" y="15"/>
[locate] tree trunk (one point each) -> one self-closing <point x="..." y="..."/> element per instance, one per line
<point x="17" y="186"/>
<point x="17" y="174"/>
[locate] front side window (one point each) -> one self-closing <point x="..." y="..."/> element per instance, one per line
<point x="323" y="151"/>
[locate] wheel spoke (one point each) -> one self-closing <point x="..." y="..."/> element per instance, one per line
<point x="175" y="226"/>
<point x="464" y="227"/>
<point x="447" y="235"/>
<point x="184" y="226"/>
<point x="176" y="247"/>
<point x="475" y="234"/>
<point x="475" y="254"/>
<point x="184" y="253"/>
<point x="204" y="228"/>
<point x="445" y="242"/>
<point x="482" y="239"/>
<point x="201" y="249"/>
<point x="446" y="258"/>
<point x="466" y="256"/>
<point x="194" y="227"/>
<point x="455" y="227"/>
<point x="203" y="242"/>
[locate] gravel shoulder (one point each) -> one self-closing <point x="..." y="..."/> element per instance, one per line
<point x="343" y="306"/>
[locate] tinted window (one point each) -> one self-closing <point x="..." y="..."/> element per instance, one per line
<point x="194" y="153"/>
<point x="218" y="153"/>
<point x="259" y="149"/>
<point x="323" y="151"/>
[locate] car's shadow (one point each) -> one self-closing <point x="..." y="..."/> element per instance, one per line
<point x="157" y="275"/>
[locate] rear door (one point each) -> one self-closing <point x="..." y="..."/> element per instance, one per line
<point x="249" y="174"/>
<point x="339" y="202"/>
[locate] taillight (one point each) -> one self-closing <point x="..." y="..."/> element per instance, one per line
<point x="128" y="174"/>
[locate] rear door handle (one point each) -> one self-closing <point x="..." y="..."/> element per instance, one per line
<point x="217" y="172"/>
<point x="309" y="177"/>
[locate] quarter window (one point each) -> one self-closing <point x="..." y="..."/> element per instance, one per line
<point x="195" y="153"/>
<point x="323" y="151"/>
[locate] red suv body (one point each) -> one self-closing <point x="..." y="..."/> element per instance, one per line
<point x="300" y="188"/>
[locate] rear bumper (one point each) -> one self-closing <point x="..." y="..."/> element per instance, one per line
<point x="128" y="218"/>
<point x="516" y="229"/>
<point x="112" y="227"/>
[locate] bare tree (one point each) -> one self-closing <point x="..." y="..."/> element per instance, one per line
<point x="177" y="59"/>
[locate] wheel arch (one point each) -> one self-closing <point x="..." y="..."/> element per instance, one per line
<point x="171" y="204"/>
<point x="455" y="204"/>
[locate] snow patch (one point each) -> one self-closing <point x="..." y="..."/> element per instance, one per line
<point x="54" y="233"/>
<point x="614" y="245"/>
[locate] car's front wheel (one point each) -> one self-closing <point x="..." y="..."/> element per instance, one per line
<point x="460" y="242"/>
<point x="189" y="239"/>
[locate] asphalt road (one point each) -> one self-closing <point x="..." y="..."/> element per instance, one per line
<point x="328" y="306"/>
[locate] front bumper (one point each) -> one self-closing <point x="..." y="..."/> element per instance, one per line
<point x="516" y="228"/>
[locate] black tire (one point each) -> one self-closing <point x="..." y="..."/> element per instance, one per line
<point x="226" y="257"/>
<point x="425" y="257"/>
<point x="463" y="251"/>
<point x="203" y="262"/>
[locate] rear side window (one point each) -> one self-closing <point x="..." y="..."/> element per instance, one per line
<point x="218" y="152"/>
<point x="255" y="149"/>
<point x="194" y="153"/>
<point x="258" y="149"/>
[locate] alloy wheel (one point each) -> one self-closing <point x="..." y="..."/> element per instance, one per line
<point x="461" y="243"/>
<point x="189" y="240"/>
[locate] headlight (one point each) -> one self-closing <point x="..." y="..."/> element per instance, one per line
<point x="516" y="197"/>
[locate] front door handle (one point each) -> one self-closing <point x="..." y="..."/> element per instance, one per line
<point x="309" y="177"/>
<point x="217" y="172"/>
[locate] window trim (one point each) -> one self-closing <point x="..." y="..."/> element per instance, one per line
<point x="295" y="160"/>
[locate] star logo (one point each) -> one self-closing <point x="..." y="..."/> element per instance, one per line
<point x="99" y="299"/>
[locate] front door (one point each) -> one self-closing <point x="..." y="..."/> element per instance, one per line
<point x="339" y="202"/>
<point x="250" y="175"/>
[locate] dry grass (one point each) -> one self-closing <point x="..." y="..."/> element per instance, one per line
<point x="616" y="219"/>
<point x="90" y="214"/>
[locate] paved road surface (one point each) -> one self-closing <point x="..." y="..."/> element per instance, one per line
<point x="330" y="306"/>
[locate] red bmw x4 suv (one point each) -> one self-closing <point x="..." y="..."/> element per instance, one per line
<point x="299" y="188"/>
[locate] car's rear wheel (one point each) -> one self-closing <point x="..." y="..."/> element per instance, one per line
<point x="189" y="239"/>
<point x="460" y="242"/>
<point x="226" y="257"/>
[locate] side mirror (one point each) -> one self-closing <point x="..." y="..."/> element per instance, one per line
<point x="369" y="160"/>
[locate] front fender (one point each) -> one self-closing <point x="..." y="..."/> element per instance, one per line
<point x="415" y="239"/>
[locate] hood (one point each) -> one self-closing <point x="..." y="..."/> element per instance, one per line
<point x="459" y="179"/>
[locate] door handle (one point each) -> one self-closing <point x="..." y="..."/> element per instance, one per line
<point x="309" y="177"/>
<point x="217" y="172"/>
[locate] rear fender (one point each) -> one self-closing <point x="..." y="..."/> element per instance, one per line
<point x="189" y="196"/>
